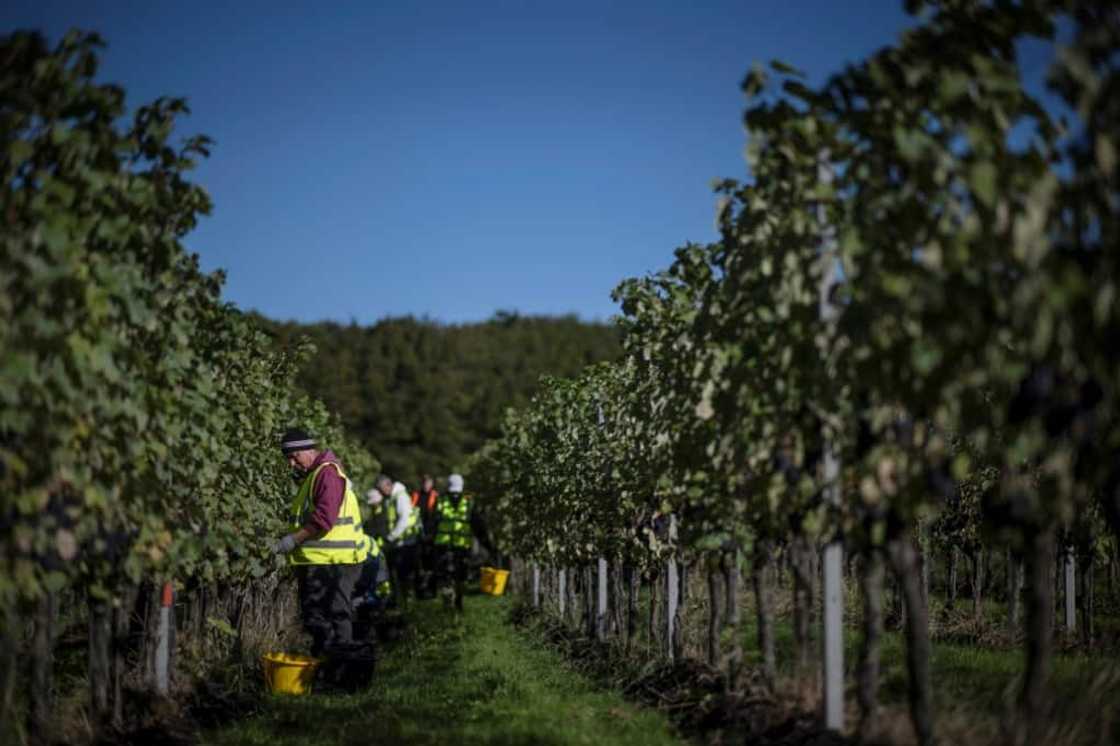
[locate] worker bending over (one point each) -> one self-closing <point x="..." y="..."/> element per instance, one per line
<point x="326" y="545"/>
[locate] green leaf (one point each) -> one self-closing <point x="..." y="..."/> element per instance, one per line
<point x="982" y="181"/>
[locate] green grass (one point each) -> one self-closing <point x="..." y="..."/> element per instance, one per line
<point x="965" y="675"/>
<point x="469" y="679"/>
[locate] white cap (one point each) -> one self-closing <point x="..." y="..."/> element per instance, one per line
<point x="455" y="483"/>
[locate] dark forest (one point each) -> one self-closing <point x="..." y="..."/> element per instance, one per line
<point x="422" y="395"/>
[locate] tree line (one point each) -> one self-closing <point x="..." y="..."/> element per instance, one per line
<point x="424" y="395"/>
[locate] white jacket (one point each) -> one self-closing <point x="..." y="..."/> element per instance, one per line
<point x="404" y="507"/>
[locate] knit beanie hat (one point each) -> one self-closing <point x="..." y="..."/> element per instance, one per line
<point x="296" y="439"/>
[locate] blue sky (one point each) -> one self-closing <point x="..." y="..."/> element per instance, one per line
<point x="452" y="159"/>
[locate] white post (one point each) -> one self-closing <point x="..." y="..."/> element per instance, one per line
<point x="536" y="586"/>
<point x="163" y="643"/>
<point x="601" y="602"/>
<point x="1071" y="590"/>
<point x="563" y="578"/>
<point x="672" y="594"/>
<point x="601" y="575"/>
<point x="832" y="618"/>
<point x="672" y="599"/>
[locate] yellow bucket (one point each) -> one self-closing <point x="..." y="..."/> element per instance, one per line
<point x="493" y="581"/>
<point x="285" y="673"/>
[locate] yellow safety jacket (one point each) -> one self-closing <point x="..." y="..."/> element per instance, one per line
<point x="454" y="528"/>
<point x="345" y="543"/>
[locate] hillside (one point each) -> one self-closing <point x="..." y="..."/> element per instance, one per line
<point x="422" y="395"/>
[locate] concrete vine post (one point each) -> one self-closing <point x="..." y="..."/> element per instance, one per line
<point x="587" y="577"/>
<point x="163" y="642"/>
<point x="562" y="588"/>
<point x="601" y="600"/>
<point x="536" y="586"/>
<point x="832" y="616"/>
<point x="672" y="595"/>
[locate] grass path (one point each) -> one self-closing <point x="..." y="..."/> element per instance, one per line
<point x="468" y="679"/>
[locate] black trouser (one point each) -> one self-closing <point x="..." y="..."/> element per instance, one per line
<point x="324" y="603"/>
<point x="453" y="569"/>
<point x="404" y="560"/>
<point x="369" y="577"/>
<point x="429" y="561"/>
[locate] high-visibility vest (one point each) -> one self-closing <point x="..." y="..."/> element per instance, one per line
<point x="345" y="543"/>
<point x="454" y="528"/>
<point x="412" y="527"/>
<point x="430" y="503"/>
<point x="373" y="526"/>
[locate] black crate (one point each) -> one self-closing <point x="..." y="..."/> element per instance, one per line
<point x="347" y="667"/>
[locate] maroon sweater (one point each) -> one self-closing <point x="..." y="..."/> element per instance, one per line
<point x="326" y="495"/>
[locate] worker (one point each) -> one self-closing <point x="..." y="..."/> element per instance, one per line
<point x="457" y="525"/>
<point x="424" y="500"/>
<point x="377" y="588"/>
<point x="326" y="546"/>
<point x="402" y="543"/>
<point x="373" y="591"/>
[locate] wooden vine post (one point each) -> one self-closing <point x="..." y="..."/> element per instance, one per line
<point x="43" y="712"/>
<point x="1070" y="567"/>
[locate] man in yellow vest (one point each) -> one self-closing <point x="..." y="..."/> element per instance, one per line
<point x="326" y="546"/>
<point x="454" y="539"/>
